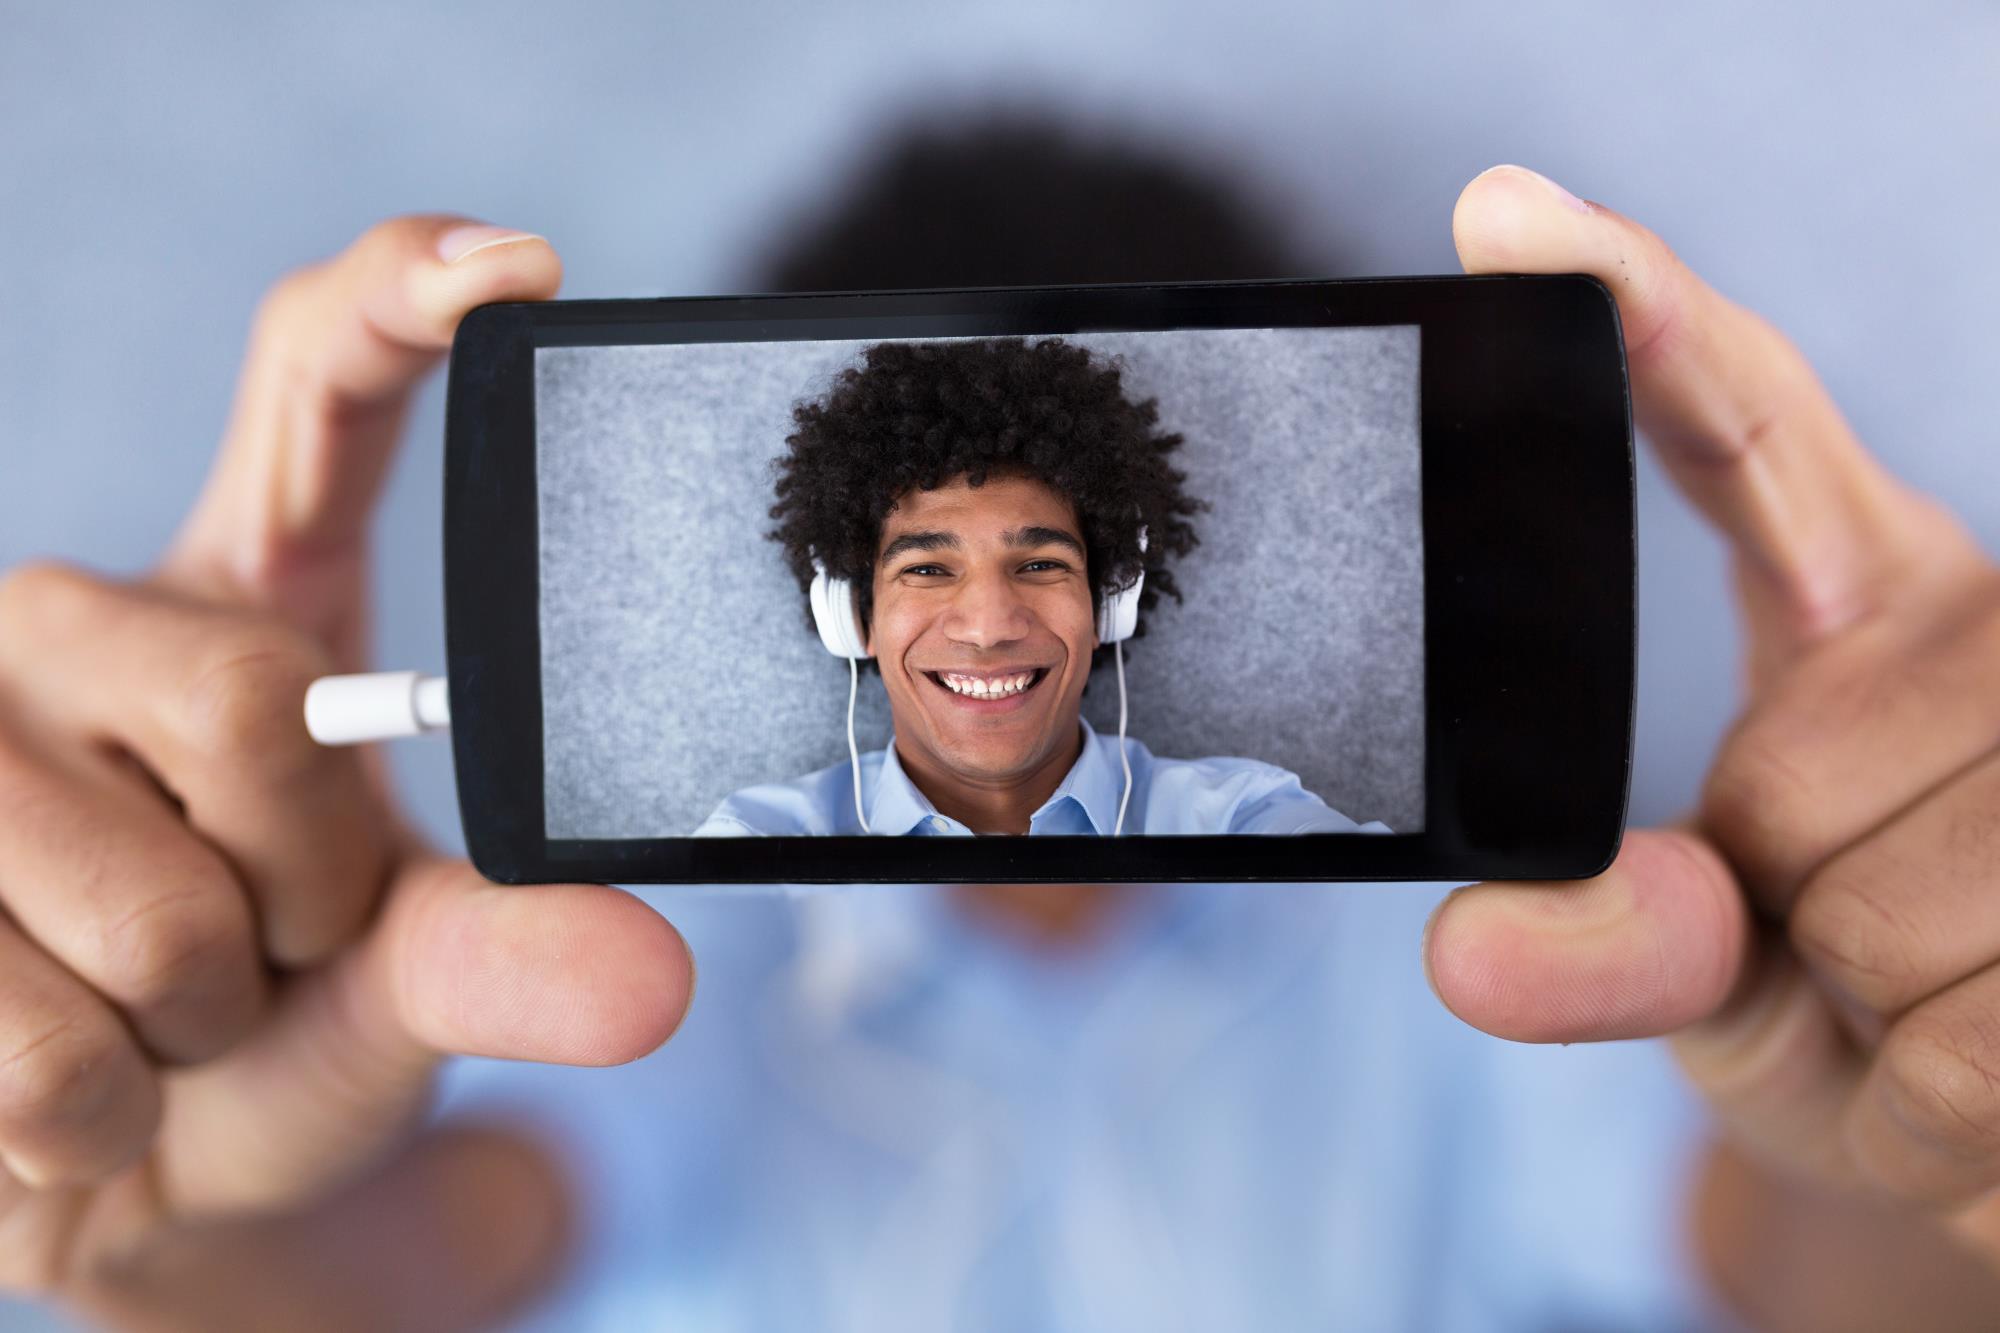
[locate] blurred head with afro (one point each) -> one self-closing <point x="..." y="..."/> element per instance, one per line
<point x="918" y="416"/>
<point x="982" y="495"/>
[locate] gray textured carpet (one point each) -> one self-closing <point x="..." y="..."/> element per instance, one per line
<point x="676" y="667"/>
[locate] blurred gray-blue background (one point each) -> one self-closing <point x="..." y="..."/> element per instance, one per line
<point x="1830" y="166"/>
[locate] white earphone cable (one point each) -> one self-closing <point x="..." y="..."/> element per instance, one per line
<point x="1118" y="655"/>
<point x="853" y="754"/>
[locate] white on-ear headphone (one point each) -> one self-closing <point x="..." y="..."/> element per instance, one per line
<point x="838" y="620"/>
<point x="836" y="615"/>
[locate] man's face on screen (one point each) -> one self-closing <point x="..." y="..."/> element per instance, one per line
<point x="983" y="625"/>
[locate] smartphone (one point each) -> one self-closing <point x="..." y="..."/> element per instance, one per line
<point x="1242" y="581"/>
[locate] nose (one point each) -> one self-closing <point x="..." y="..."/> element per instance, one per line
<point x="987" y="612"/>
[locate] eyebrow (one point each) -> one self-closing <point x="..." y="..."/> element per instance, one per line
<point x="948" y="541"/>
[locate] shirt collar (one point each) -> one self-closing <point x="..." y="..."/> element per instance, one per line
<point x="1093" y="787"/>
<point x="1095" y="782"/>
<point x="896" y="807"/>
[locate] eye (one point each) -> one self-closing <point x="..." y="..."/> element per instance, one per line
<point x="923" y="569"/>
<point x="1052" y="564"/>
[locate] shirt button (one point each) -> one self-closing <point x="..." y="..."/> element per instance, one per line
<point x="937" y="823"/>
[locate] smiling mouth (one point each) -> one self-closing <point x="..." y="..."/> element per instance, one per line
<point x="988" y="689"/>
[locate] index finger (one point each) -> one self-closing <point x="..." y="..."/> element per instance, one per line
<point x="1736" y="414"/>
<point x="335" y="354"/>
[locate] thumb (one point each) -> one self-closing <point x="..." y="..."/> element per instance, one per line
<point x="1656" y="942"/>
<point x="574" y="974"/>
<point x="335" y="355"/>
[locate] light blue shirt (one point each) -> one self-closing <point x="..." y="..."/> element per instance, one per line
<point x="1238" y="1107"/>
<point x="1168" y="796"/>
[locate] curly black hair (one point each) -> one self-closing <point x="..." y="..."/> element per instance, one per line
<point x="919" y="415"/>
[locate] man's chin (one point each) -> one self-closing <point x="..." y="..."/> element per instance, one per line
<point x="987" y="768"/>
<point x="991" y="755"/>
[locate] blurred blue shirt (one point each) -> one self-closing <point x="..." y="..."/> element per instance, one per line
<point x="1168" y="796"/>
<point x="1238" y="1106"/>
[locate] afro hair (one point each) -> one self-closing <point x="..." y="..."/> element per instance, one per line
<point x="921" y="415"/>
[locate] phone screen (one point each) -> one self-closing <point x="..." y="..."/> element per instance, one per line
<point x="982" y="498"/>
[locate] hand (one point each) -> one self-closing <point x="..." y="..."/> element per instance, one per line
<point x="226" y="973"/>
<point x="1819" y="933"/>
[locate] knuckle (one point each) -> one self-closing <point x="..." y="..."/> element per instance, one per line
<point x="395" y="232"/>
<point x="1971" y="834"/>
<point x="287" y="301"/>
<point x="167" y="946"/>
<point x="34" y="591"/>
<point x="28" y="798"/>
<point x="244" y="700"/>
<point x="1849" y="924"/>
<point x="56" y="1076"/>
<point x="291" y="316"/>
<point x="1757" y="803"/>
<point x="1655" y="291"/>
<point x="1944" y="1083"/>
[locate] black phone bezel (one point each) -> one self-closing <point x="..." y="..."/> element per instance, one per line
<point x="1529" y="580"/>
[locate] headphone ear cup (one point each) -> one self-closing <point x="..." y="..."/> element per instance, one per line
<point x="1119" y="611"/>
<point x="1118" y="614"/>
<point x="834" y="615"/>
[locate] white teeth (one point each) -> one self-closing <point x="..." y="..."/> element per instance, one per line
<point x="980" y="688"/>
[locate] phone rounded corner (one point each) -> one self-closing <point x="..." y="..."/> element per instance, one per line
<point x="1609" y="857"/>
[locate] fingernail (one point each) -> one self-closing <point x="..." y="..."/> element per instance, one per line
<point x="694" y="977"/>
<point x="1567" y="199"/>
<point x="28" y="1174"/>
<point x="459" y="242"/>
<point x="1424" y="951"/>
